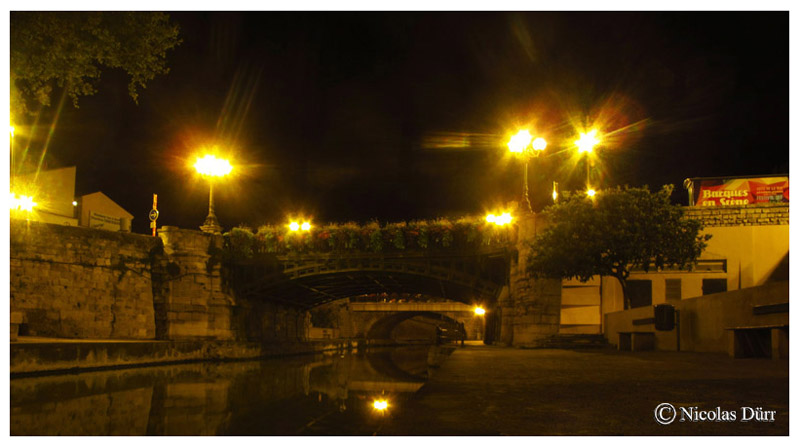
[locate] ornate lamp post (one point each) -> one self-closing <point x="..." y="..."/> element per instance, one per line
<point x="211" y="167"/>
<point x="586" y="144"/>
<point x="526" y="146"/>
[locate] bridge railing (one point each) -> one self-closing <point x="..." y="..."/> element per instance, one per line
<point x="465" y="234"/>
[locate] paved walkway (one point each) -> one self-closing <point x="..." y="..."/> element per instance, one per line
<point x="484" y="390"/>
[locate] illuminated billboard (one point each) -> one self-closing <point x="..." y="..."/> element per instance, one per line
<point x="738" y="191"/>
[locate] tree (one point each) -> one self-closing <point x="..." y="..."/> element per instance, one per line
<point x="68" y="49"/>
<point x="619" y="230"/>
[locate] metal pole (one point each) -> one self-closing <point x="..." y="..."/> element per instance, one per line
<point x="211" y="199"/>
<point x="678" y="327"/>
<point x="525" y="185"/>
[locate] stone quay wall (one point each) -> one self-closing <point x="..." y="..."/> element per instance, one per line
<point x="744" y="215"/>
<point x="84" y="283"/>
<point x="76" y="282"/>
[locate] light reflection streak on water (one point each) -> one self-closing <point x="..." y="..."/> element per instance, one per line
<point x="321" y="395"/>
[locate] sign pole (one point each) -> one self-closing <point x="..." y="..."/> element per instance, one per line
<point x="154" y="214"/>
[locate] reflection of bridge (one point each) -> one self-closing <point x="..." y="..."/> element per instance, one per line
<point x="311" y="279"/>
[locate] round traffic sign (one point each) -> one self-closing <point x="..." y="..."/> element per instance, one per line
<point x="153" y="215"/>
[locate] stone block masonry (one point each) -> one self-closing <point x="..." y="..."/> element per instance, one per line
<point x="75" y="282"/>
<point x="84" y="283"/>
<point x="744" y="215"/>
<point x="530" y="309"/>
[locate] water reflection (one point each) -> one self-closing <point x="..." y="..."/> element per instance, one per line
<point x="329" y="394"/>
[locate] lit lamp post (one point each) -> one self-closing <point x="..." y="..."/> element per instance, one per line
<point x="524" y="144"/>
<point x="586" y="144"/>
<point x="212" y="167"/>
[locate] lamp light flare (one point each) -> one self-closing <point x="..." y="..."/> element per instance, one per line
<point x="212" y="166"/>
<point x="306" y="226"/>
<point x="23" y="203"/>
<point x="587" y="141"/>
<point x="294" y="226"/>
<point x="590" y="192"/>
<point x="520" y="141"/>
<point x="479" y="310"/>
<point x="539" y="144"/>
<point x="500" y="220"/>
<point x="11" y="128"/>
<point x="380" y="405"/>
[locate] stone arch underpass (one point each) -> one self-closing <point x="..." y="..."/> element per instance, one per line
<point x="380" y="327"/>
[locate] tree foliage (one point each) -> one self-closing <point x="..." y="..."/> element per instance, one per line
<point x="617" y="231"/>
<point x="68" y="49"/>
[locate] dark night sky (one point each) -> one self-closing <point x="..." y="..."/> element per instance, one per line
<point x="343" y="116"/>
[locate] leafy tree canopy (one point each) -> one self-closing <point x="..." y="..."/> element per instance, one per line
<point x="619" y="230"/>
<point x="68" y="49"/>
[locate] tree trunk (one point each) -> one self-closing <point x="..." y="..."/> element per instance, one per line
<point x="626" y="302"/>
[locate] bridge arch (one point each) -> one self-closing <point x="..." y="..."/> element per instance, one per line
<point x="309" y="280"/>
<point x="382" y="327"/>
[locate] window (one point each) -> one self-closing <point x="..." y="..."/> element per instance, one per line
<point x="714" y="285"/>
<point x="640" y="292"/>
<point x="673" y="289"/>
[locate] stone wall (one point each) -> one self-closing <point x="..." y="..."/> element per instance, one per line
<point x="731" y="216"/>
<point x="191" y="302"/>
<point x="705" y="320"/>
<point x="529" y="309"/>
<point x="77" y="282"/>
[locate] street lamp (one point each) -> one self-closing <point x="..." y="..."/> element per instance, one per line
<point x="586" y="143"/>
<point x="528" y="147"/>
<point x="296" y="226"/>
<point x="212" y="167"/>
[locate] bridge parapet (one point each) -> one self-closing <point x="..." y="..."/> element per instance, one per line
<point x="409" y="307"/>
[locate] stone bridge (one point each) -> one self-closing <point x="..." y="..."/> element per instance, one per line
<point x="76" y="282"/>
<point x="378" y="320"/>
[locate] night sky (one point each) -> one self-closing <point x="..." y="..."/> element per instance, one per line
<point x="396" y="116"/>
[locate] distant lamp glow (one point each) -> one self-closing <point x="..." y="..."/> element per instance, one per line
<point x="555" y="191"/>
<point x="380" y="405"/>
<point x="74" y="203"/>
<point x="520" y="141"/>
<point x="479" y="311"/>
<point x="306" y="226"/>
<point x="591" y="192"/>
<point x="294" y="226"/>
<point x="587" y="141"/>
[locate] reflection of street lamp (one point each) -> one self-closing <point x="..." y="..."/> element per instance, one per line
<point x="524" y="144"/>
<point x="211" y="167"/>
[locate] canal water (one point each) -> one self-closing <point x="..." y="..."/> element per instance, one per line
<point x="325" y="394"/>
